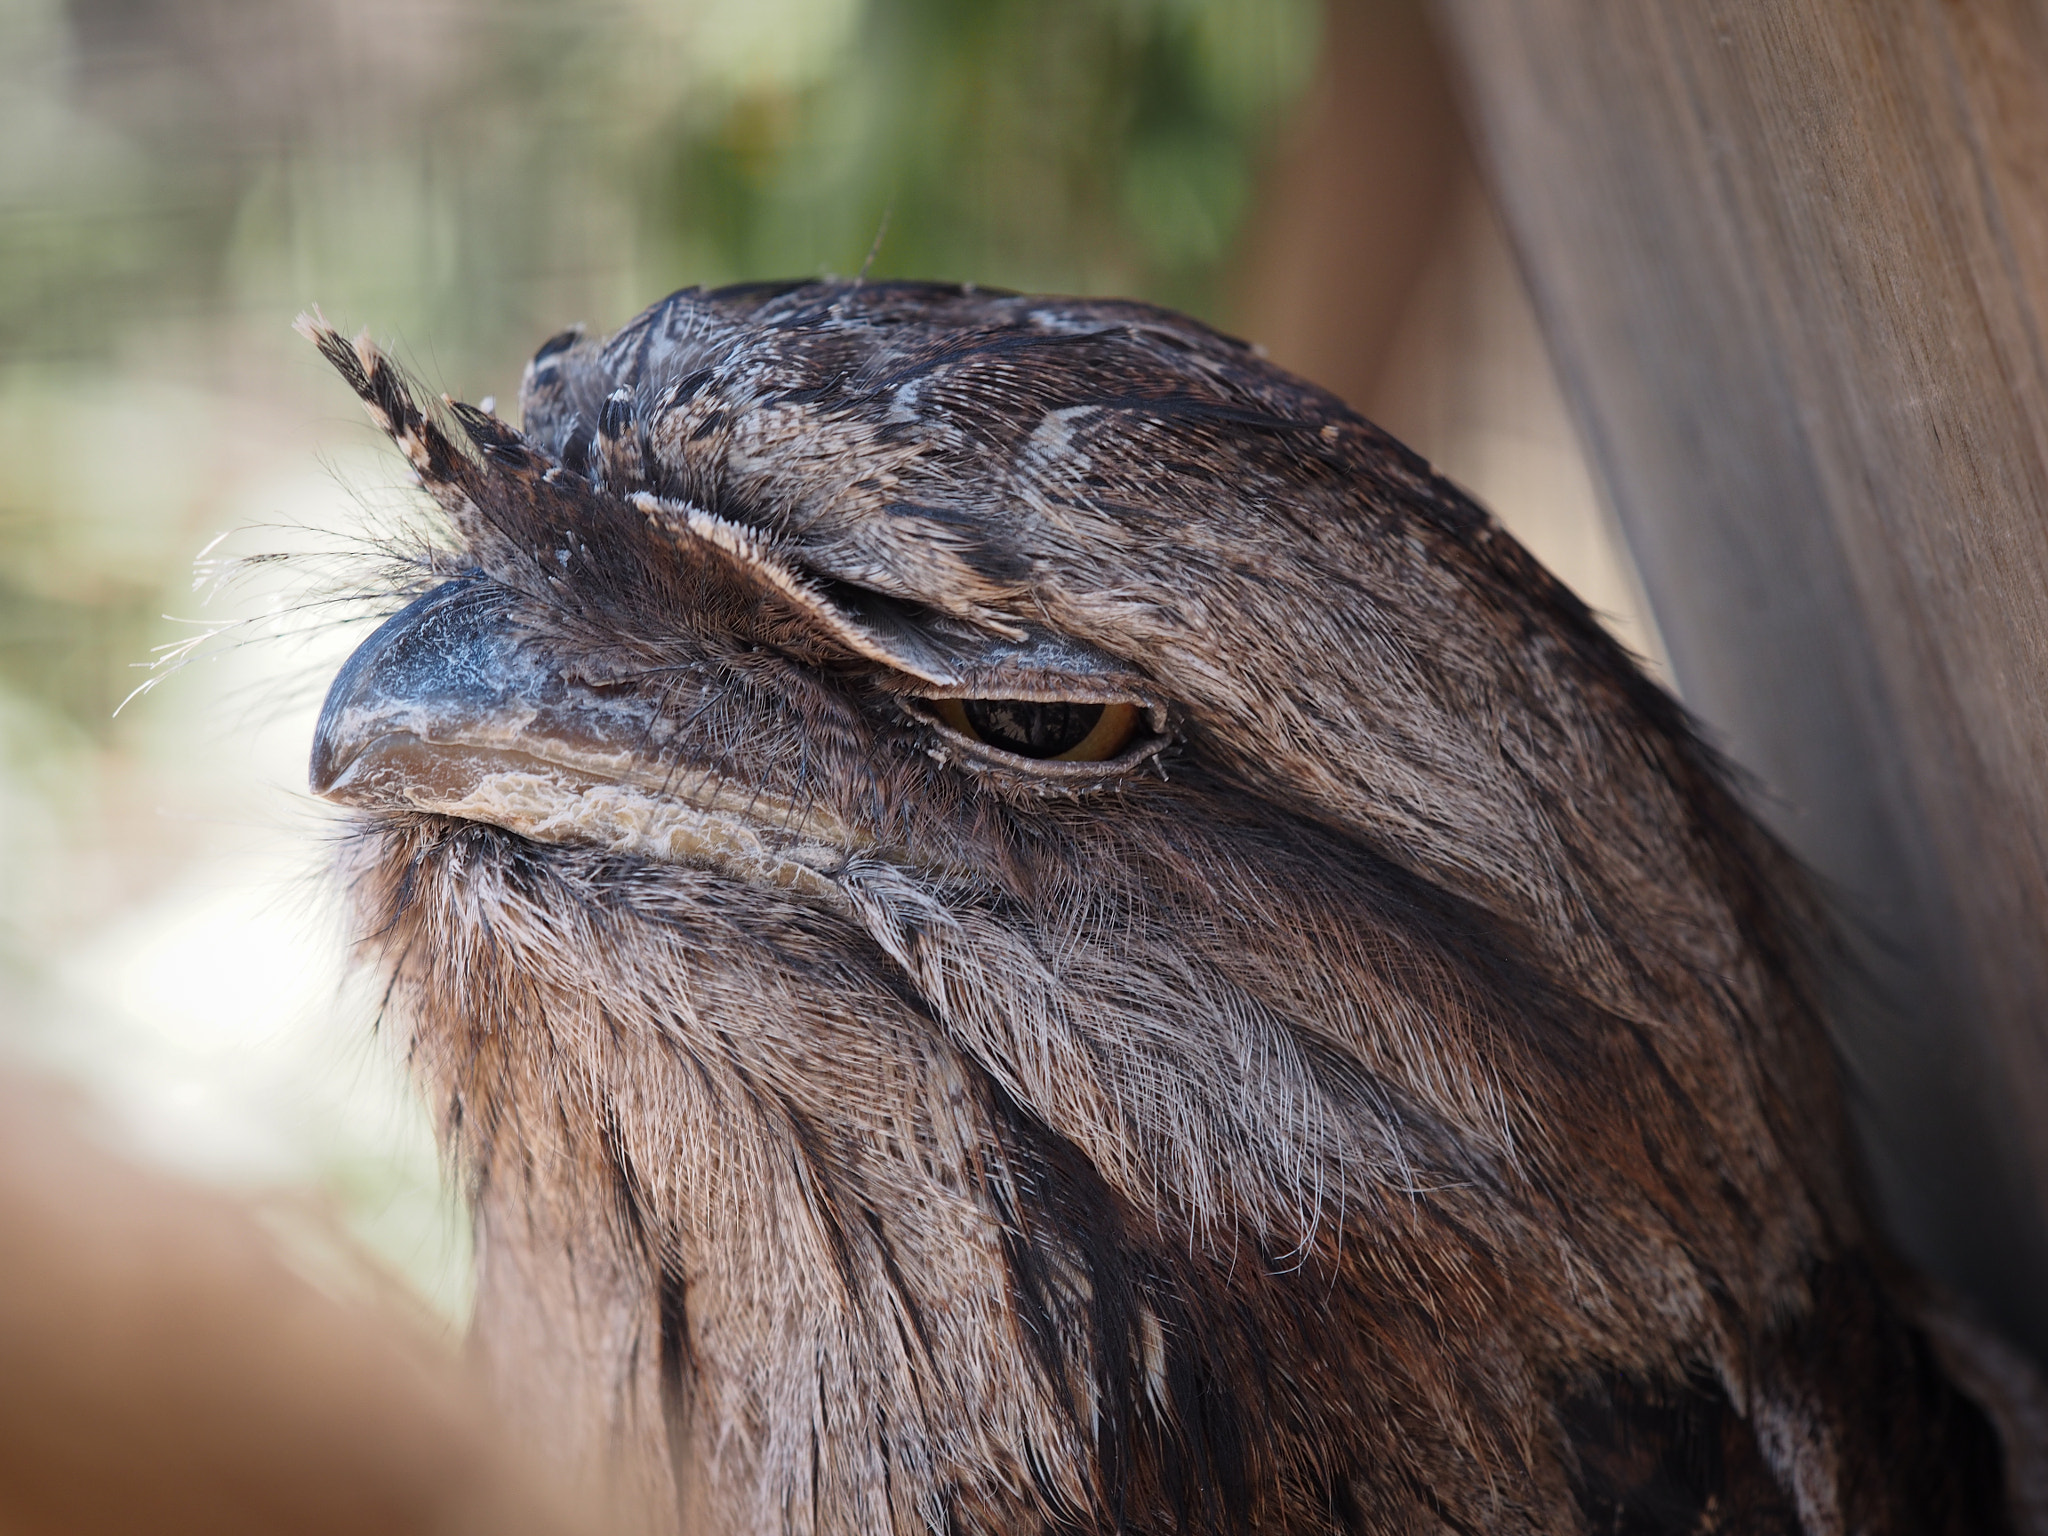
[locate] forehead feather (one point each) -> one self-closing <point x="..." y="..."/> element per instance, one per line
<point x="963" y="448"/>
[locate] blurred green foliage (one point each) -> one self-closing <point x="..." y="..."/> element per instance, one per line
<point x="433" y="164"/>
<point x="1033" y="145"/>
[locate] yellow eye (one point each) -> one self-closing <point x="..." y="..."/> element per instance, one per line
<point x="1059" y="732"/>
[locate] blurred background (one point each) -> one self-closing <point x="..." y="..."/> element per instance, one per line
<point x="179" y="178"/>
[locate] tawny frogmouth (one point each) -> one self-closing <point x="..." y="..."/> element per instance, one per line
<point x="1019" y="923"/>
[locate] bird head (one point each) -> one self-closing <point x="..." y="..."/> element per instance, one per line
<point x="1017" y="918"/>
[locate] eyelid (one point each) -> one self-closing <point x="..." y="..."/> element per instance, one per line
<point x="1036" y="688"/>
<point x="1114" y="727"/>
<point x="1150" y="735"/>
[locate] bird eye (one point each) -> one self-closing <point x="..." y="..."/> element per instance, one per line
<point x="1062" y="732"/>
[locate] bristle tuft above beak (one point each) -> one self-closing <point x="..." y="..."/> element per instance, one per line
<point x="384" y="389"/>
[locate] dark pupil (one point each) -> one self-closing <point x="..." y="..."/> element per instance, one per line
<point x="1031" y="730"/>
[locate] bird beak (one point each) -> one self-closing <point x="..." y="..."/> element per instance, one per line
<point x="445" y="709"/>
<point x="442" y="678"/>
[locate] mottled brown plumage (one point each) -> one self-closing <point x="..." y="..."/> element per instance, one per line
<point x="1387" y="1094"/>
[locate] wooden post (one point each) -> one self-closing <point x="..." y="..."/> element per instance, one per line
<point x="1353" y="210"/>
<point x="1792" y="260"/>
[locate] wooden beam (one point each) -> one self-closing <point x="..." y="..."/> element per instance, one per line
<point x="1356" y="202"/>
<point x="1376" y="266"/>
<point x="1792" y="260"/>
